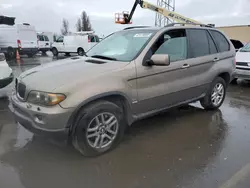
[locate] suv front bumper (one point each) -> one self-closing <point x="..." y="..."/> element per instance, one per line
<point x="46" y="121"/>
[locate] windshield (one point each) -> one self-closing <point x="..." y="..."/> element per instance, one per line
<point x="122" y="46"/>
<point x="246" y="48"/>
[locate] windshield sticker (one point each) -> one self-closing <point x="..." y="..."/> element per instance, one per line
<point x="144" y="35"/>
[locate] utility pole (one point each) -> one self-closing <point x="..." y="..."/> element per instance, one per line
<point x="160" y="20"/>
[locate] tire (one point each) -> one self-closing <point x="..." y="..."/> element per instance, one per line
<point x="87" y="119"/>
<point x="30" y="55"/>
<point x="43" y="52"/>
<point x="207" y="103"/>
<point x="80" y="52"/>
<point x="54" y="52"/>
<point x="234" y="81"/>
<point x="10" y="53"/>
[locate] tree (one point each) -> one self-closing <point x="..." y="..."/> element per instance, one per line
<point x="86" y="25"/>
<point x="65" y="27"/>
<point x="79" y="25"/>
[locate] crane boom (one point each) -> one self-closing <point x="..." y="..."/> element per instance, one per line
<point x="172" y="15"/>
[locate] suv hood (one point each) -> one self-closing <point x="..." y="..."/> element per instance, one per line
<point x="65" y="72"/>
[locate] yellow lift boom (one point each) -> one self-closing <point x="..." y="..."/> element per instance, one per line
<point x="146" y="5"/>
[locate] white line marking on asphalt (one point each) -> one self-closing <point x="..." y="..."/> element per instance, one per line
<point x="240" y="176"/>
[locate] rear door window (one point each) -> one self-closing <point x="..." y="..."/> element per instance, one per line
<point x="220" y="41"/>
<point x="198" y="43"/>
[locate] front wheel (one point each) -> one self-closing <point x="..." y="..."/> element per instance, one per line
<point x="10" y="55"/>
<point x="99" y="128"/>
<point x="54" y="52"/>
<point x="215" y="96"/>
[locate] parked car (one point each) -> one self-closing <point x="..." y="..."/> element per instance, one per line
<point x="130" y="75"/>
<point x="43" y="43"/>
<point x="243" y="64"/>
<point x="237" y="44"/>
<point x="74" y="43"/>
<point x="6" y="76"/>
<point x="21" y="37"/>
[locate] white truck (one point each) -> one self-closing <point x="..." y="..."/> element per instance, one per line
<point x="21" y="37"/>
<point x="79" y="43"/>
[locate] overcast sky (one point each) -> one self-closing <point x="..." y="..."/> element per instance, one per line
<point x="47" y="15"/>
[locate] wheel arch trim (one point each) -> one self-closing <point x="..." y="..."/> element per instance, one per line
<point x="128" y="102"/>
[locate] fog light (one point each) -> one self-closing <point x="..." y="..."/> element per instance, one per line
<point x="39" y="119"/>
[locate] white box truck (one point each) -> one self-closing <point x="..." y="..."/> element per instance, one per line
<point x="21" y="37"/>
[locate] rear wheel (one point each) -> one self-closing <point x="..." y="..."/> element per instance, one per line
<point x="30" y="55"/>
<point x="10" y="53"/>
<point x="99" y="128"/>
<point x="54" y="52"/>
<point x="215" y="96"/>
<point x="80" y="51"/>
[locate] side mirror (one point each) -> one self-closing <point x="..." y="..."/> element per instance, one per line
<point x="159" y="60"/>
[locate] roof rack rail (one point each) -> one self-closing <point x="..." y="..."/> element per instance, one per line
<point x="134" y="27"/>
<point x="183" y="24"/>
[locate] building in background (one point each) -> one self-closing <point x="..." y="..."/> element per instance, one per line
<point x="240" y="32"/>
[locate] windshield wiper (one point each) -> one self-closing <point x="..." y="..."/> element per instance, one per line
<point x="104" y="57"/>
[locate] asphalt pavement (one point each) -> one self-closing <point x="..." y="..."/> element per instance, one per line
<point x="186" y="148"/>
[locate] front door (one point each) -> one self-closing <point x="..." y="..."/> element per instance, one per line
<point x="60" y="44"/>
<point x="163" y="86"/>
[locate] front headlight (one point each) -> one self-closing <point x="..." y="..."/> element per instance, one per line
<point x="45" y="99"/>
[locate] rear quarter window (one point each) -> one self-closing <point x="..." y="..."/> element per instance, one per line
<point x="220" y="41"/>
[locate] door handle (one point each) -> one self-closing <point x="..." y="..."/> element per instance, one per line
<point x="216" y="59"/>
<point x="185" y="66"/>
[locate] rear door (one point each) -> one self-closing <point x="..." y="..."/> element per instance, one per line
<point x="203" y="54"/>
<point x="28" y="37"/>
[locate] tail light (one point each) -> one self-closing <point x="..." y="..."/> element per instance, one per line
<point x="19" y="44"/>
<point x="89" y="40"/>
